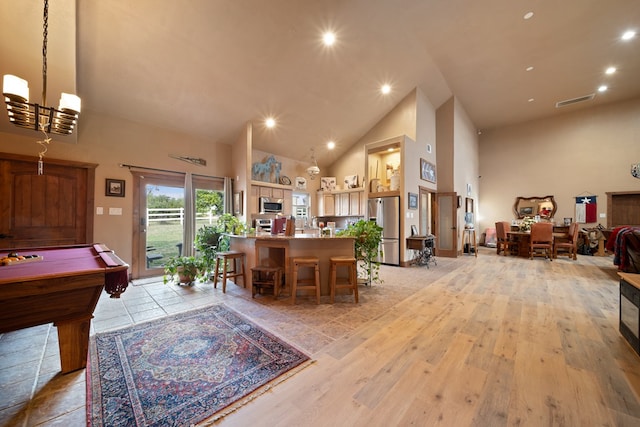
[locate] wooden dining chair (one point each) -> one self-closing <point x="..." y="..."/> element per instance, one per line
<point x="541" y="238"/>
<point x="503" y="242"/>
<point x="570" y="245"/>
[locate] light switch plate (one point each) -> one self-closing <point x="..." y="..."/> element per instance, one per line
<point x="115" y="211"/>
<point x="99" y="210"/>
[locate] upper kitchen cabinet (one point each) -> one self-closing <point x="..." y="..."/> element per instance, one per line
<point x="341" y="202"/>
<point x="273" y="191"/>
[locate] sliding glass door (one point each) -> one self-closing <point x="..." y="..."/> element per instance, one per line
<point x="163" y="219"/>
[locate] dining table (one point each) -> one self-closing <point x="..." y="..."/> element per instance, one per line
<point x="523" y="238"/>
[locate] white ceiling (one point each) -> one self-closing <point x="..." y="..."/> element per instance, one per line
<point x="207" y="67"/>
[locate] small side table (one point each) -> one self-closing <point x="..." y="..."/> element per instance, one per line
<point x="469" y="236"/>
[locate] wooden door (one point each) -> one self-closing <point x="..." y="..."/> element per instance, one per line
<point x="52" y="209"/>
<point x="447" y="224"/>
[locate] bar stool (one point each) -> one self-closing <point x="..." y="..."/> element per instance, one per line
<point x="312" y="283"/>
<point x="266" y="277"/>
<point x="351" y="279"/>
<point x="225" y="257"/>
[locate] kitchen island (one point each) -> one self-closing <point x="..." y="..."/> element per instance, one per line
<point x="277" y="251"/>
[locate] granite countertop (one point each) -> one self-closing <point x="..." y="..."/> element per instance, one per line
<point x="268" y="236"/>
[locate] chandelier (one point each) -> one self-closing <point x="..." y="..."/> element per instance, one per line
<point x="314" y="169"/>
<point x="39" y="117"/>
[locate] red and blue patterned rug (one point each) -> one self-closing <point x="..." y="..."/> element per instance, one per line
<point x="182" y="369"/>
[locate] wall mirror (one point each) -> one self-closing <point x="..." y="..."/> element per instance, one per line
<point x="532" y="206"/>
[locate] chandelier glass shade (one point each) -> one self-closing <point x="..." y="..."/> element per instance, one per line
<point x="313" y="170"/>
<point x="39" y="117"/>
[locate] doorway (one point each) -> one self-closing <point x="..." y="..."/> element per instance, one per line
<point x="426" y="214"/>
<point x="446" y="224"/>
<point x="438" y="216"/>
<point x="162" y="222"/>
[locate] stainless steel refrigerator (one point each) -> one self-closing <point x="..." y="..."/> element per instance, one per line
<point x="385" y="211"/>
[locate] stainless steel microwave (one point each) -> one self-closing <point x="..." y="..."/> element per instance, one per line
<point x="271" y="205"/>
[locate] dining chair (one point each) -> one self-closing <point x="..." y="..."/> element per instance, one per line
<point x="541" y="238"/>
<point x="503" y="242"/>
<point x="570" y="244"/>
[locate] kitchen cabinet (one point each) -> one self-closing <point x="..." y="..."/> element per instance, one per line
<point x="354" y="203"/>
<point x="341" y="203"/>
<point x="275" y="191"/>
<point x="326" y="204"/>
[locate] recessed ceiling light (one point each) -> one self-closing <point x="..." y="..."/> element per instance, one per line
<point x="385" y="89"/>
<point x="610" y="70"/>
<point x="528" y="15"/>
<point x="328" y="38"/>
<point x="331" y="145"/>
<point x="530" y="68"/>
<point x="531" y="100"/>
<point x="602" y="88"/>
<point x="628" y="35"/>
<point x="270" y="122"/>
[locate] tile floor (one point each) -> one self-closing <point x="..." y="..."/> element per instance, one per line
<point x="34" y="393"/>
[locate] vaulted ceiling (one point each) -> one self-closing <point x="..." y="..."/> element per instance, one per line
<point x="207" y="67"/>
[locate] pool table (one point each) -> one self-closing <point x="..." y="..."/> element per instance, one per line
<point x="60" y="285"/>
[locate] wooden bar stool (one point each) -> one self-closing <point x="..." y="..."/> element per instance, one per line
<point x="225" y="257"/>
<point x="340" y="283"/>
<point x="307" y="284"/>
<point x="263" y="277"/>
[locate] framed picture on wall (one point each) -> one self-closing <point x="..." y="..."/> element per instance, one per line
<point x="413" y="201"/>
<point x="427" y="171"/>
<point x="114" y="187"/>
<point x="328" y="183"/>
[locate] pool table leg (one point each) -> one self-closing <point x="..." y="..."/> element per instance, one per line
<point x="73" y="341"/>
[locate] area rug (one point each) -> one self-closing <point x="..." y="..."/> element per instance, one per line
<point x="183" y="369"/>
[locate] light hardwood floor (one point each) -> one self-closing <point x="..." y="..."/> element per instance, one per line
<point x="486" y="341"/>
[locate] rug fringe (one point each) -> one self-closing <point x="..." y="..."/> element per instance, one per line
<point x="248" y="398"/>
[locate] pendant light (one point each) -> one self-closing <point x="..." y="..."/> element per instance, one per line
<point x="39" y="117"/>
<point x="313" y="170"/>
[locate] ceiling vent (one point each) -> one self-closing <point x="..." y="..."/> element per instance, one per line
<point x="575" y="100"/>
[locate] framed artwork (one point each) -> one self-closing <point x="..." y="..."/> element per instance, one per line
<point x="328" y="183"/>
<point x="350" y="181"/>
<point x="427" y="171"/>
<point x="237" y="203"/>
<point x="114" y="187"/>
<point x="468" y="205"/>
<point x="413" y="201"/>
<point x="301" y="183"/>
<point x="414" y="230"/>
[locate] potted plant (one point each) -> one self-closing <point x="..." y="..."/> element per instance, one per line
<point x="186" y="268"/>
<point x="207" y="242"/>
<point x="211" y="239"/>
<point x="368" y="236"/>
<point x="229" y="224"/>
